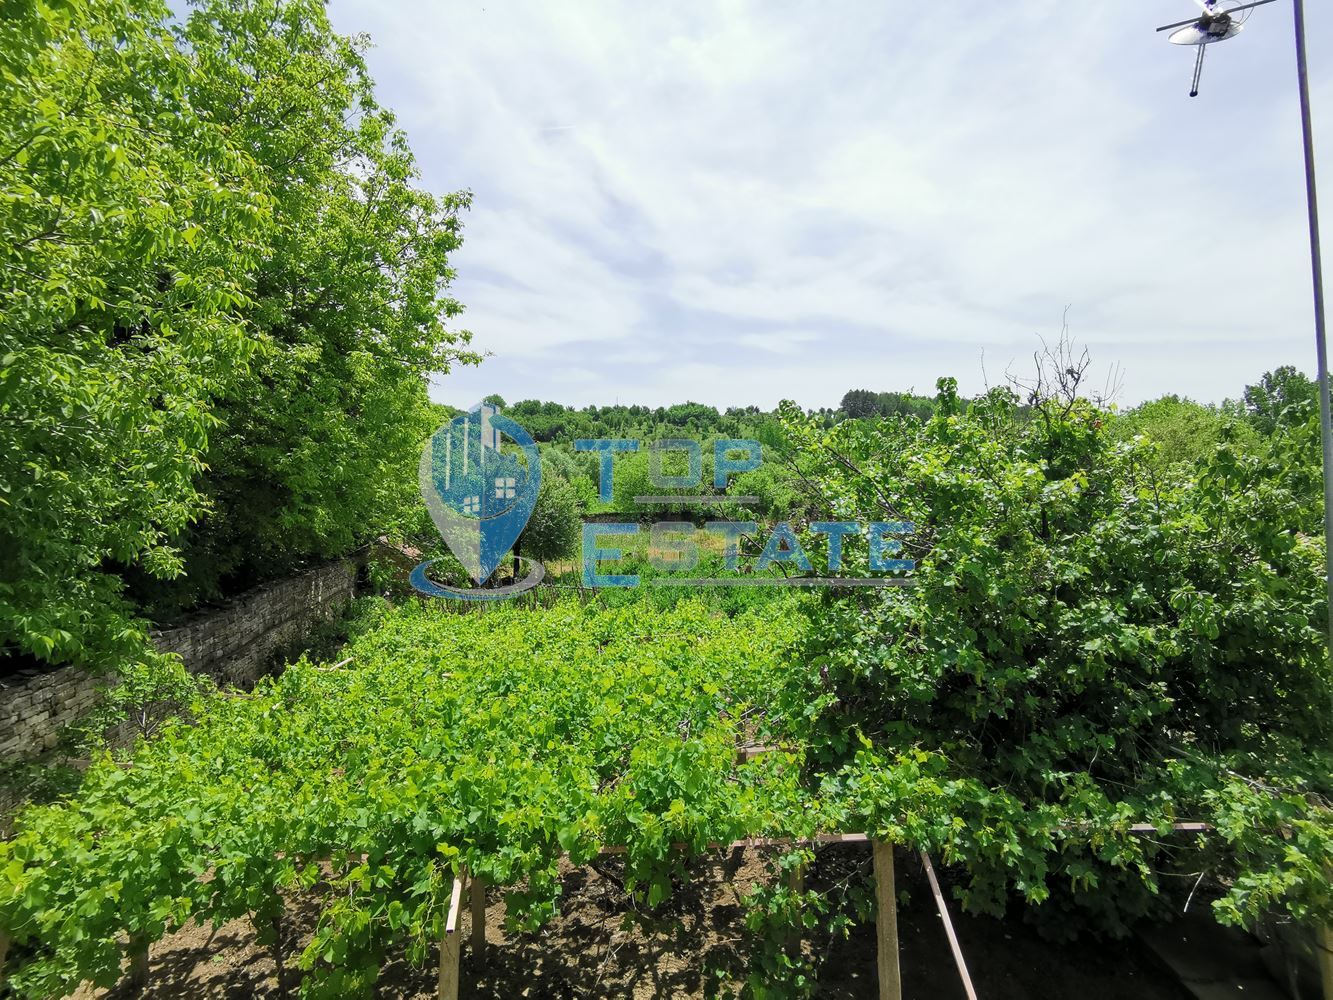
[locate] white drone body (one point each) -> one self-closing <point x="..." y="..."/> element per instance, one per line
<point x="1217" y="23"/>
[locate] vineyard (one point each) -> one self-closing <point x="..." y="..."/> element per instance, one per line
<point x="495" y="742"/>
<point x="498" y="744"/>
<point x="1074" y="747"/>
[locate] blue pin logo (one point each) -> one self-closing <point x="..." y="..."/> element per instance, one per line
<point x="480" y="475"/>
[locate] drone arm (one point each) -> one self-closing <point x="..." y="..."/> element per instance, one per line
<point x="1247" y="6"/>
<point x="1229" y="10"/>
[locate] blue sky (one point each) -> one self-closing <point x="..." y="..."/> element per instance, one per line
<point x="737" y="203"/>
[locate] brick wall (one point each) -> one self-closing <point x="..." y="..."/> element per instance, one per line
<point x="231" y="643"/>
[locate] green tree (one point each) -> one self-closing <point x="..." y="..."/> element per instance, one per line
<point x="629" y="479"/>
<point x="859" y="403"/>
<point x="692" y="415"/>
<point x="905" y="404"/>
<point x="1183" y="430"/>
<point x="556" y="526"/>
<point x="132" y="217"/>
<point x="1279" y="398"/>
<point x="223" y="293"/>
<point x="320" y="435"/>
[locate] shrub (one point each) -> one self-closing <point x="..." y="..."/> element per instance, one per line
<point x="1093" y="641"/>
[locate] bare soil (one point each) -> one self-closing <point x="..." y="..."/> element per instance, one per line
<point x="695" y="945"/>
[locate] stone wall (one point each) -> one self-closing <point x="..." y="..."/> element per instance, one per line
<point x="232" y="643"/>
<point x="36" y="704"/>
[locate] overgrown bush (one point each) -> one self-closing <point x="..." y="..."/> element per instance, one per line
<point x="1094" y="641"/>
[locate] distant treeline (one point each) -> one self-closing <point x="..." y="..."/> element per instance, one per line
<point x="1181" y="424"/>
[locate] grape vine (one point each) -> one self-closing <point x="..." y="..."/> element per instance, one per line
<point x="498" y="741"/>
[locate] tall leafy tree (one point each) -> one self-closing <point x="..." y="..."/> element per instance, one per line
<point x="223" y="290"/>
<point x="555" y="527"/>
<point x="131" y="219"/>
<point x="322" y="431"/>
<point x="1185" y="431"/>
<point x="1280" y="398"/>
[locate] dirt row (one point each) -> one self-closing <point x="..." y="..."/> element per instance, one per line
<point x="694" y="945"/>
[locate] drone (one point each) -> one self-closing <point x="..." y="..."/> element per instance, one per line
<point x="1218" y="23"/>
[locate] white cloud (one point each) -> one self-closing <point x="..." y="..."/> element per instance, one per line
<point x="739" y="202"/>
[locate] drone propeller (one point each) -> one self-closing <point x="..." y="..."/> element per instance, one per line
<point x="1214" y="10"/>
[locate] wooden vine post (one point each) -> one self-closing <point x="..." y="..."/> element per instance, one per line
<point x="796" y="883"/>
<point x="477" y="889"/>
<point x="138" y="950"/>
<point x="949" y="932"/>
<point x="1324" y="948"/>
<point x="886" y="924"/>
<point x="449" y="945"/>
